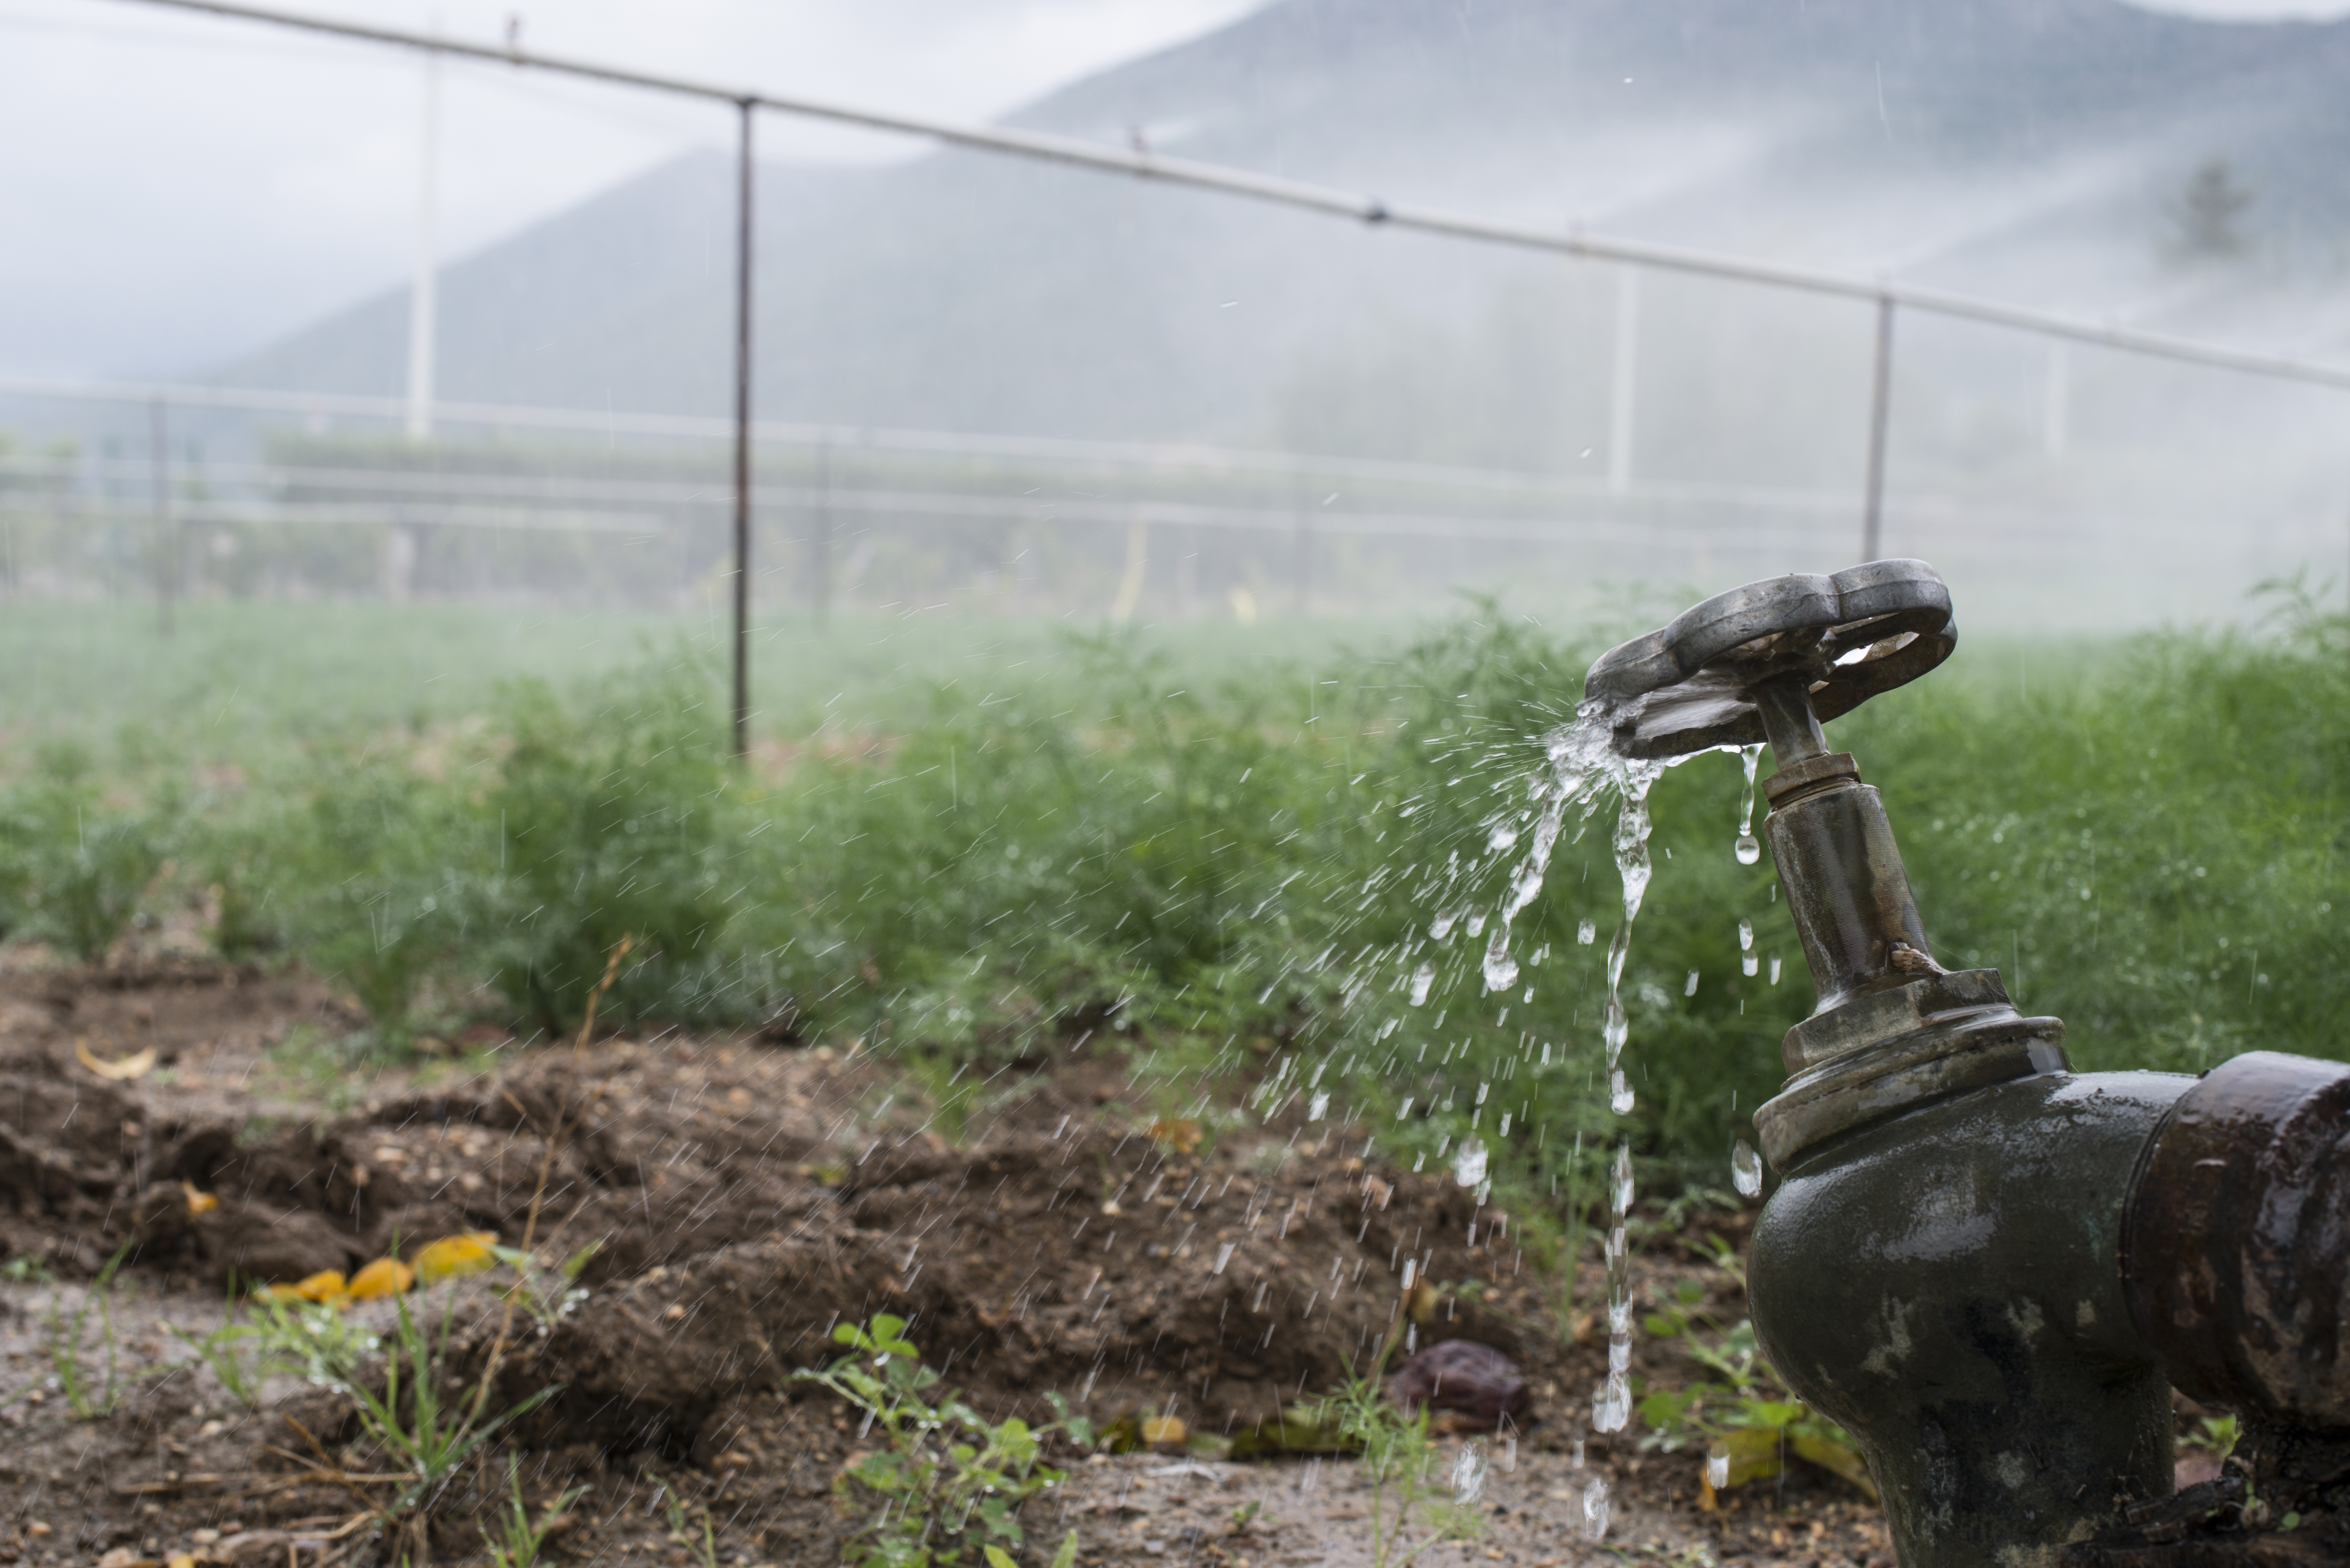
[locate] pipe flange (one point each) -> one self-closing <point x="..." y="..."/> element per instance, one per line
<point x="1688" y="688"/>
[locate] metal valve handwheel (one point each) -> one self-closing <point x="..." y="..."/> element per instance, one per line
<point x="1744" y="663"/>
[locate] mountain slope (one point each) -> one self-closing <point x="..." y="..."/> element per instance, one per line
<point x="2019" y="148"/>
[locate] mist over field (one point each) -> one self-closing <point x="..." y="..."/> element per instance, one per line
<point x="1548" y="429"/>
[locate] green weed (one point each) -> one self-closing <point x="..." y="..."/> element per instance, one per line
<point x="91" y="1389"/>
<point x="950" y="1483"/>
<point x="241" y="1353"/>
<point x="520" y="1539"/>
<point x="416" y="1428"/>
<point x="1408" y="1516"/>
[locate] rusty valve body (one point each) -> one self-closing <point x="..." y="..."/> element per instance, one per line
<point x="1991" y="1269"/>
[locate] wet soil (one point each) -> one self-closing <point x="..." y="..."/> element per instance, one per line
<point x="744" y="1198"/>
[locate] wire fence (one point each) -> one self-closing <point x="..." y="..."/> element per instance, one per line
<point x="195" y="490"/>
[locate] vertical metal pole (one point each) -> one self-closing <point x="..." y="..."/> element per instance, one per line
<point x="1872" y="525"/>
<point x="1301" y="548"/>
<point x="820" y="539"/>
<point x="1627" y="388"/>
<point x="2056" y="401"/>
<point x="423" y="301"/>
<point x="747" y="106"/>
<point x="159" y="466"/>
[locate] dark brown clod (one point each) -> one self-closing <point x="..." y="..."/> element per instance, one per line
<point x="1461" y="1376"/>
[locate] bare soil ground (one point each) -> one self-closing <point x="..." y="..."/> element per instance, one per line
<point x="748" y="1196"/>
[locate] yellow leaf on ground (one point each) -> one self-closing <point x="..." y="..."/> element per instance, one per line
<point x="453" y="1257"/>
<point x="198" y="1202"/>
<point x="1161" y="1429"/>
<point x="1756" y="1453"/>
<point x="384" y="1277"/>
<point x="1835" y="1456"/>
<point x="326" y="1287"/>
<point x="1182" y="1136"/>
<point x="137" y="1064"/>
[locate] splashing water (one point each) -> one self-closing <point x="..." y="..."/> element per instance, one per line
<point x="1469" y="1162"/>
<point x="1441" y="927"/>
<point x="1425" y="976"/>
<point x="1319" y="1107"/>
<point x="1586" y="933"/>
<point x="1745" y="1169"/>
<point x="1503" y="837"/>
<point x="1469" y="1472"/>
<point x="1595" y="1510"/>
<point x="1748" y="848"/>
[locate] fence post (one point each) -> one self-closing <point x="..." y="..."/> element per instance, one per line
<point x="1872" y="525"/>
<point x="159" y="467"/>
<point x="819" y="577"/>
<point x="1625" y="392"/>
<point x="746" y="107"/>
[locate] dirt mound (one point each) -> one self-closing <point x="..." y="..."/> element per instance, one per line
<point x="1107" y="1268"/>
<point x="742" y="1200"/>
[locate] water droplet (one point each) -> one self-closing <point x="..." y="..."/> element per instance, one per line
<point x="1469" y="1162"/>
<point x="1441" y="927"/>
<point x="1774" y="969"/>
<point x="1615" y="1028"/>
<point x="1690" y="989"/>
<point x="1619" y="1094"/>
<point x="1503" y="837"/>
<point x="1745" y="936"/>
<point x="1717" y="1466"/>
<point x="1224" y="1256"/>
<point x="1748" y="964"/>
<point x="1469" y="1473"/>
<point x="1505" y="1130"/>
<point x="1319" y="1107"/>
<point x="1410" y="1270"/>
<point x="1611" y="1404"/>
<point x="1748" y="850"/>
<point x="1622" y="1183"/>
<point x="1425" y="976"/>
<point x="1476" y="926"/>
<point x="1501" y="969"/>
<point x="1586" y="933"/>
<point x="1574" y="1455"/>
<point x="1745" y="1169"/>
<point x="1595" y="1510"/>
